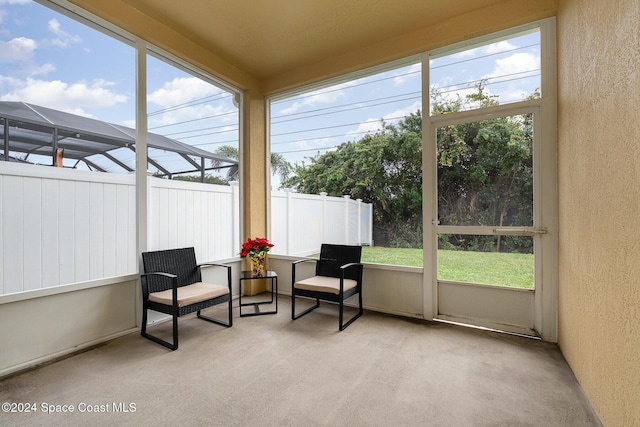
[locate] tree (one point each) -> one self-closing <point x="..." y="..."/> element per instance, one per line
<point x="484" y="175"/>
<point x="384" y="169"/>
<point x="279" y="165"/>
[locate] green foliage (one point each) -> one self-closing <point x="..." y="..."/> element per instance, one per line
<point x="384" y="169"/>
<point x="485" y="176"/>
<point x="208" y="179"/>
<point x="279" y="165"/>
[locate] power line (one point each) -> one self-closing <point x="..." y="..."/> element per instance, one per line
<point x="312" y="94"/>
<point x="191" y="103"/>
<point x="209" y="133"/>
<point x="376" y="100"/>
<point x="193" y="120"/>
<point x="488" y="82"/>
<point x="313" y="114"/>
<point x="232" y="128"/>
<point x="339" y="126"/>
<point x="483" y="56"/>
<point x="319" y="137"/>
<point x="306" y="149"/>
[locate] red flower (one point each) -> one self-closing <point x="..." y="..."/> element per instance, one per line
<point x="255" y="246"/>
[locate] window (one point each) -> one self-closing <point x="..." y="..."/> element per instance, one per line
<point x="63" y="85"/>
<point x="353" y="154"/>
<point x="503" y="71"/>
<point x="185" y="108"/>
<point x="68" y="99"/>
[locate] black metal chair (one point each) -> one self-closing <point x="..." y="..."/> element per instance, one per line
<point x="172" y="284"/>
<point x="338" y="277"/>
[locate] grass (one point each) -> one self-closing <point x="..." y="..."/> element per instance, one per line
<point x="491" y="268"/>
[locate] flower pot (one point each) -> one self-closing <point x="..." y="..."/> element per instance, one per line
<point x="258" y="263"/>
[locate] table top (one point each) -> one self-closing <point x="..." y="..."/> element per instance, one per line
<point x="247" y="274"/>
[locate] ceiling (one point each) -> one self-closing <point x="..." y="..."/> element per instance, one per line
<point x="265" y="38"/>
<point x="272" y="46"/>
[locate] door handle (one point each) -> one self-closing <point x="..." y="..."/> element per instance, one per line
<point x="520" y="231"/>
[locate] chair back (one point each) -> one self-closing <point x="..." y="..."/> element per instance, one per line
<point x="181" y="262"/>
<point x="332" y="257"/>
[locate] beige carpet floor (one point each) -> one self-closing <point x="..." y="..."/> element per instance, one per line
<point x="272" y="371"/>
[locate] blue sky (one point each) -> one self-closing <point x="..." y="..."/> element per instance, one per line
<point x="50" y="60"/>
<point x="310" y="124"/>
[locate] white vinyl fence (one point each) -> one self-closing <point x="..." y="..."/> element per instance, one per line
<point x="301" y="222"/>
<point x="204" y="216"/>
<point x="62" y="226"/>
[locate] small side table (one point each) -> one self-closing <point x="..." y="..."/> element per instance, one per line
<point x="268" y="275"/>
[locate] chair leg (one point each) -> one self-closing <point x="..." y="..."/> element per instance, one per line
<point x="228" y="324"/>
<point x="145" y="334"/>
<point x="293" y="308"/>
<point x="216" y="321"/>
<point x="341" y="326"/>
<point x="143" y="327"/>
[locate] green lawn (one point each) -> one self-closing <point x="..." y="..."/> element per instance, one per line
<point x="505" y="269"/>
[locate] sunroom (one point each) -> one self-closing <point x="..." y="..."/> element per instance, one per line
<point x="252" y="64"/>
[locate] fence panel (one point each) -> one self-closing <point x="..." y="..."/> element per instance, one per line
<point x="64" y="226"/>
<point x="192" y="214"/>
<point x="279" y="228"/>
<point x="61" y="226"/>
<point x="335" y="210"/>
<point x="301" y="222"/>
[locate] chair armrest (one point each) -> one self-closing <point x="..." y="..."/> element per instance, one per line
<point x="159" y="273"/>
<point x="351" y="264"/>
<point x="145" y="288"/>
<point x="344" y="267"/>
<point x="294" y="264"/>
<point x="215" y="264"/>
<point x="305" y="260"/>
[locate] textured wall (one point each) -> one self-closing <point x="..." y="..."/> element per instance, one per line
<point x="599" y="190"/>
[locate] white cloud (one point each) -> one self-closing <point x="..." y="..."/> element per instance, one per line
<point x="319" y="97"/>
<point x="181" y="91"/>
<point x="516" y="63"/>
<point x="41" y="69"/>
<point x="489" y="49"/>
<point x="69" y="97"/>
<point x="15" y="1"/>
<point x="19" y="49"/>
<point x="498" y="47"/>
<point x="408" y="74"/>
<point x="313" y="144"/>
<point x="62" y="39"/>
<point x="373" y="125"/>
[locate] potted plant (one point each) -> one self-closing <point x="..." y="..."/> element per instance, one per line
<point x="256" y="249"/>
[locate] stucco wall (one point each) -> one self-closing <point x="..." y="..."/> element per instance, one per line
<point x="599" y="188"/>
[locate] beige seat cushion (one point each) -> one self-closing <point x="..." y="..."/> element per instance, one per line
<point x="190" y="294"/>
<point x="325" y="284"/>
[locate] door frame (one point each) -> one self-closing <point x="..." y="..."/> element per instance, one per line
<point x="544" y="109"/>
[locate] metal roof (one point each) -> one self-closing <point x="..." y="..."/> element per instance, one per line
<point x="102" y="146"/>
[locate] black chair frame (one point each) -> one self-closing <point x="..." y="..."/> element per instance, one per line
<point x="171" y="269"/>
<point x="350" y="270"/>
